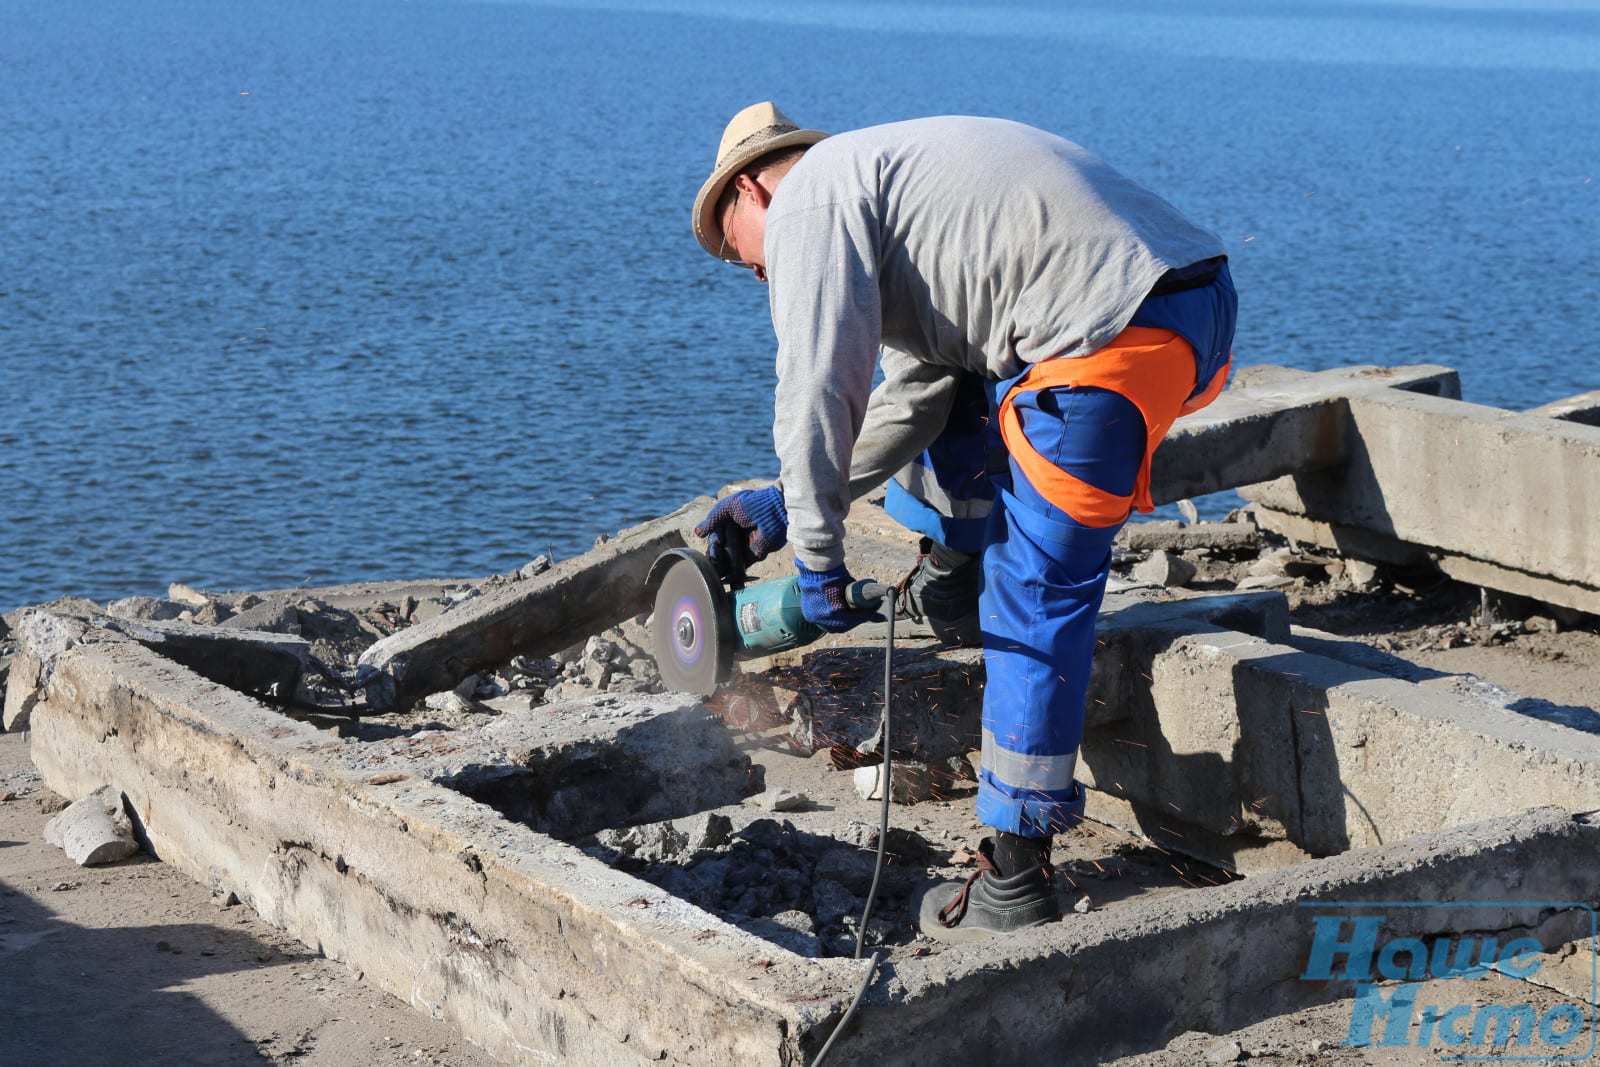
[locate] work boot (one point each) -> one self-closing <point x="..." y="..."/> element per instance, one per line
<point x="942" y="589"/>
<point x="989" y="902"/>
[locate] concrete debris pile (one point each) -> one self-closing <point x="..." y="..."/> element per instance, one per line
<point x="804" y="891"/>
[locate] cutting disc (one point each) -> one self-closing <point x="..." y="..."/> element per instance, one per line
<point x="692" y="628"/>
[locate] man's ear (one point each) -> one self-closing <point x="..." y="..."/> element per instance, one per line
<point x="753" y="188"/>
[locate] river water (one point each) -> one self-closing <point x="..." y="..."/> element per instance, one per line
<point x="307" y="292"/>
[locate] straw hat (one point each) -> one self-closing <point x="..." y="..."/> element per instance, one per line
<point x="755" y="131"/>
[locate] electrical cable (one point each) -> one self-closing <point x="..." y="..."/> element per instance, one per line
<point x="883" y="839"/>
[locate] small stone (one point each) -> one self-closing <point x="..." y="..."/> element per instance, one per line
<point x="832" y="901"/>
<point x="707" y="830"/>
<point x="7" y="794"/>
<point x="1318" y="1045"/>
<point x="1166" y="569"/>
<point x="534" y="567"/>
<point x="1225" y="1052"/>
<point x="1190" y="513"/>
<point x="1274" y="562"/>
<point x="1264" y="581"/>
<point x="449" y="702"/>
<point x="163" y="946"/>
<point x="783" y="800"/>
<point x="1083" y="906"/>
<point x="910" y="782"/>
<point x="1363" y="575"/>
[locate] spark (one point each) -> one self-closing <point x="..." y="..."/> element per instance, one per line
<point x="1125" y="741"/>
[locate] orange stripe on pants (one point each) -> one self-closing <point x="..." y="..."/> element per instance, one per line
<point x="1155" y="370"/>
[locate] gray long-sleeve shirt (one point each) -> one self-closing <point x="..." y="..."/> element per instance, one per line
<point x="951" y="244"/>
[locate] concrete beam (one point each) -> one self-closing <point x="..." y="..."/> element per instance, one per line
<point x="1506" y="489"/>
<point x="544" y="614"/>
<point x="1273" y="422"/>
<point x="1128" y="980"/>
<point x="1248" y="741"/>
<point x="1584" y="408"/>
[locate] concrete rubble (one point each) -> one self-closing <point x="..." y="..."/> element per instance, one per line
<point x="476" y="793"/>
<point x="93" y="829"/>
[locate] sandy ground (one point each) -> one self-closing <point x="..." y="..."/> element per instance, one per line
<point x="136" y="964"/>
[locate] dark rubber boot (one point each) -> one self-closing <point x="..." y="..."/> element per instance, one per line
<point x="988" y="903"/>
<point x="943" y="591"/>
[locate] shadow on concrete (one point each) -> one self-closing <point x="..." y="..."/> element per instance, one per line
<point x="84" y="996"/>
<point x="1568" y="715"/>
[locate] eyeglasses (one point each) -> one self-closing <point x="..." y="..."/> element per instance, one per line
<point x="738" y="195"/>
<point x="760" y="271"/>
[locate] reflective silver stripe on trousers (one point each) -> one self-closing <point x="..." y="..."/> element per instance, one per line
<point x="1023" y="771"/>
<point x="919" y="481"/>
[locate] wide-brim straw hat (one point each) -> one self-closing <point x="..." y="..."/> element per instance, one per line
<point x="755" y="131"/>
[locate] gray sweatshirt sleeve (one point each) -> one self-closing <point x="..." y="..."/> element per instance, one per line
<point x="822" y="277"/>
<point x="906" y="412"/>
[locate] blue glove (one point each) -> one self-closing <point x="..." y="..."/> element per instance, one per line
<point x="744" y="527"/>
<point x="822" y="600"/>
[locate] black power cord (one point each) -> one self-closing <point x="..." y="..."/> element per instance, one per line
<point x="883" y="840"/>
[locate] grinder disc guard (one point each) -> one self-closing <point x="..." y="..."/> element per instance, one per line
<point x="692" y="629"/>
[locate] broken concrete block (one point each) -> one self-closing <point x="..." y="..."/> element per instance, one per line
<point x="1264" y="581"/>
<point x="144" y="607"/>
<point x="1190" y="513"/>
<point x="783" y="800"/>
<point x="910" y="782"/>
<point x="186" y="595"/>
<point x="1363" y="575"/>
<point x="1165" y="568"/>
<point x="93" y="830"/>
<point x="274" y="615"/>
<point x="706" y="830"/>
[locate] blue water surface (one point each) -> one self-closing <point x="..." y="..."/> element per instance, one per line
<point x="297" y="292"/>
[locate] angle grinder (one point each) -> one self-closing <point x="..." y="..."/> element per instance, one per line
<point x="701" y="625"/>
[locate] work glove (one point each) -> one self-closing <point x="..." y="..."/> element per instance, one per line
<point x="822" y="600"/>
<point x="744" y="527"/>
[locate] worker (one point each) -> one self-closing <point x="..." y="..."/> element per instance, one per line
<point x="1040" y="320"/>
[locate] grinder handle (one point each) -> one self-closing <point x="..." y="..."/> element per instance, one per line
<point x="866" y="593"/>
